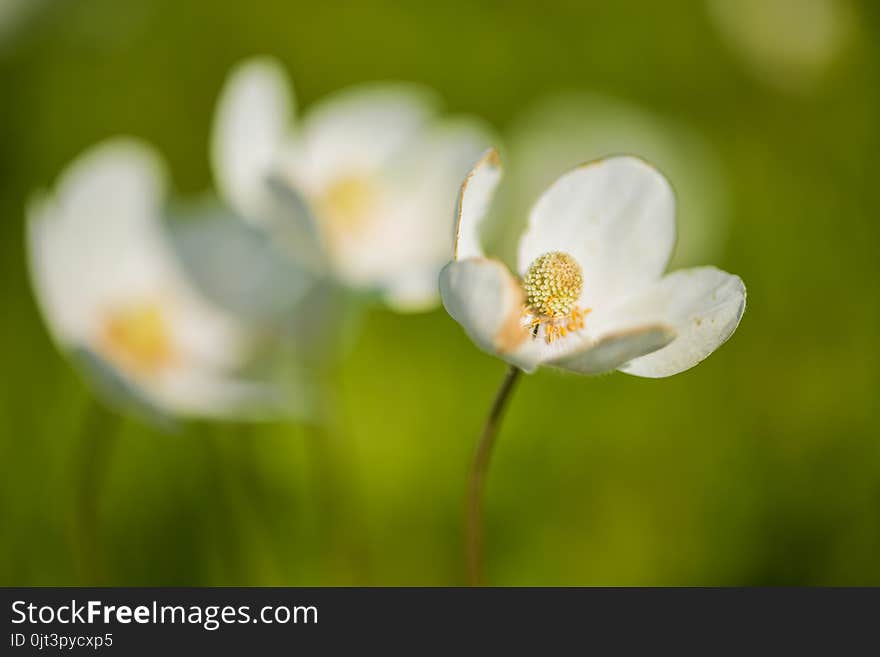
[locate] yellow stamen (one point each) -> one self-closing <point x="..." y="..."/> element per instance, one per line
<point x="553" y="284"/>
<point x="556" y="328"/>
<point x="346" y="205"/>
<point x="137" y="337"/>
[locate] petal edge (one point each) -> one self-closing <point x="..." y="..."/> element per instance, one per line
<point x="474" y="200"/>
<point x="705" y="305"/>
<point x="484" y="297"/>
<point x="615" y="349"/>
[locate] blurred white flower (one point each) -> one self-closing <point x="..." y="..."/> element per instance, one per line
<point x="110" y="289"/>
<point x="564" y="130"/>
<point x="789" y="44"/>
<point x="360" y="187"/>
<point x="592" y="296"/>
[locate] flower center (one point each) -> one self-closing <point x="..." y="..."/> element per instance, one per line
<point x="137" y="337"/>
<point x="346" y="204"/>
<point x="553" y="284"/>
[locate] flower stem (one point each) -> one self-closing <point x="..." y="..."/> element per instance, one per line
<point x="97" y="438"/>
<point x="330" y="461"/>
<point x="225" y="521"/>
<point x="477" y="478"/>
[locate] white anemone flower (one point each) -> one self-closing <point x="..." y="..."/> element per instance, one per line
<point x="109" y="288"/>
<point x="591" y="295"/>
<point x="365" y="180"/>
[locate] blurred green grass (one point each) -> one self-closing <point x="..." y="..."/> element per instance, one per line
<point x="760" y="466"/>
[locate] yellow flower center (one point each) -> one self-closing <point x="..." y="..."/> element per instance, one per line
<point x="137" y="337"/>
<point x="553" y="284"/>
<point x="346" y="204"/>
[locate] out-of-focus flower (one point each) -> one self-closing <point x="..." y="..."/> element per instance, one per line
<point x="789" y="44"/>
<point x="14" y="13"/>
<point x="562" y="131"/>
<point x="114" y="296"/>
<point x="592" y="296"/>
<point x="360" y="187"/>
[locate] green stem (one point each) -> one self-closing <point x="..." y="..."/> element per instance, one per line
<point x="477" y="479"/>
<point x="226" y="517"/>
<point x="332" y="479"/>
<point x="96" y="441"/>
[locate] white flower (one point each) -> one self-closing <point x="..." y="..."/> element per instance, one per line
<point x="592" y="296"/>
<point x="362" y="184"/>
<point x="109" y="286"/>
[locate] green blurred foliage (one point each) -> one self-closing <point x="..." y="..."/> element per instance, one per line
<point x="760" y="466"/>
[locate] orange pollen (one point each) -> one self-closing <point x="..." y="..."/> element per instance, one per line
<point x="556" y="327"/>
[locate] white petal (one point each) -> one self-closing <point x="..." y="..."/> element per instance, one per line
<point x="426" y="181"/>
<point x="474" y="200"/>
<point x="121" y="391"/>
<point x="356" y="131"/>
<point x="704" y="306"/>
<point x="614" y="349"/>
<point x="99" y="235"/>
<point x="563" y="130"/>
<point x="251" y="123"/>
<point x="485" y="298"/>
<point x="615" y="216"/>
<point x="413" y="292"/>
<point x="408" y="241"/>
<point x="52" y="273"/>
<point x="236" y="265"/>
<point x="206" y="335"/>
<point x="202" y="393"/>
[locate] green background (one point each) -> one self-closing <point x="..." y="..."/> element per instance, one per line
<point x="760" y="466"/>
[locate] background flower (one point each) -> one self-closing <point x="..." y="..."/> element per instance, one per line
<point x="14" y="14"/>
<point x="760" y="466"/>
<point x="113" y="294"/>
<point x="789" y="44"/>
<point x="361" y="184"/>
